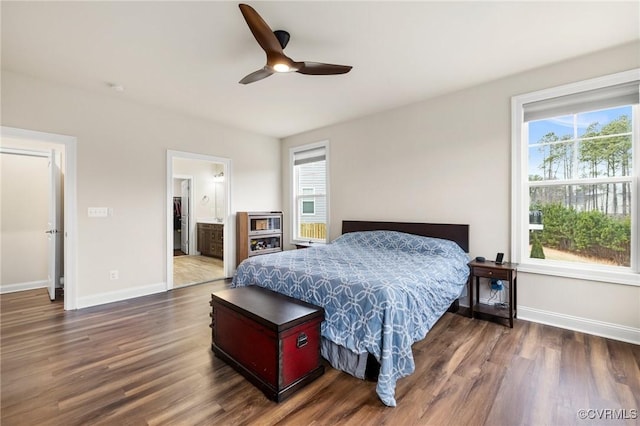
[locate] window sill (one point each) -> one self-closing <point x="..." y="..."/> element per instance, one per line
<point x="587" y="274"/>
<point x="307" y="243"/>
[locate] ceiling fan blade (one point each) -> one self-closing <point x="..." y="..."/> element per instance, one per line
<point x="273" y="45"/>
<point x="316" y="68"/>
<point x="260" y="30"/>
<point x="256" y="76"/>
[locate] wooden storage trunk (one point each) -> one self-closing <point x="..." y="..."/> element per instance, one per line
<point x="270" y="338"/>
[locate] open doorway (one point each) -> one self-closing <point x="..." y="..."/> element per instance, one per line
<point x="31" y="200"/>
<point x="44" y="173"/>
<point x="182" y="208"/>
<point x="197" y="218"/>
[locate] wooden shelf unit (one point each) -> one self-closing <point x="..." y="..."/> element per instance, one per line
<point x="258" y="233"/>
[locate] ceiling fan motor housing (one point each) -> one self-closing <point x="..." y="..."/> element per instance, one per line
<point x="283" y="37"/>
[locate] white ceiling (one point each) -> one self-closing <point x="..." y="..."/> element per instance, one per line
<point x="189" y="56"/>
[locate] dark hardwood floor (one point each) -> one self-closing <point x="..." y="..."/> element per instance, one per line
<point x="148" y="361"/>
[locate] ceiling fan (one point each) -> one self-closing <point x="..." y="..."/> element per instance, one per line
<point x="273" y="43"/>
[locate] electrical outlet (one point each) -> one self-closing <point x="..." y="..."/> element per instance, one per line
<point x="113" y="275"/>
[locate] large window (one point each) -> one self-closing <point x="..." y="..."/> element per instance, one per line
<point x="575" y="179"/>
<point x="309" y="192"/>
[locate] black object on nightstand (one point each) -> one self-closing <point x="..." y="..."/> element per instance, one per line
<point x="506" y="271"/>
<point x="303" y="245"/>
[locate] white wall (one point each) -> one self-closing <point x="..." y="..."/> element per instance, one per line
<point x="121" y="164"/>
<point x="24" y="214"/>
<point x="448" y="160"/>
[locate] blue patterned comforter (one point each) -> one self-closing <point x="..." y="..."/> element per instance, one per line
<point x="381" y="291"/>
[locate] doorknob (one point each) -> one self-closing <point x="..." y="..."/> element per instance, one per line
<point x="51" y="231"/>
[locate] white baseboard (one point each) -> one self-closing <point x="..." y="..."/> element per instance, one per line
<point x="569" y="322"/>
<point x="116" y="296"/>
<point x="31" y="285"/>
<point x="585" y="325"/>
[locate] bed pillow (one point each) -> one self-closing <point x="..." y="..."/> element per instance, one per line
<point x="394" y="240"/>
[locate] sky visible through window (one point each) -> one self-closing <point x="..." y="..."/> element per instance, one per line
<point x="570" y="220"/>
<point x="563" y="127"/>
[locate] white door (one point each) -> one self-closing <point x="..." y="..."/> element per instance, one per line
<point x="53" y="275"/>
<point x="184" y="216"/>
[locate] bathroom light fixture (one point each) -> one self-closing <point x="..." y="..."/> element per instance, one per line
<point x="218" y="177"/>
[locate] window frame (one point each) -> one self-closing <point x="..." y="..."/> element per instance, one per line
<point x="520" y="189"/>
<point x="295" y="197"/>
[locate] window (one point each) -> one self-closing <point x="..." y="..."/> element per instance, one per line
<point x="308" y="204"/>
<point x="575" y="179"/>
<point x="309" y="192"/>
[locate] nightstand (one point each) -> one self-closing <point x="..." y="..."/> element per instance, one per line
<point x="506" y="272"/>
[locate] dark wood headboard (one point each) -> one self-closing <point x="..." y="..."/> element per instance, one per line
<point x="456" y="233"/>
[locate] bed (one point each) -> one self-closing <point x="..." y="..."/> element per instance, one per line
<point x="383" y="285"/>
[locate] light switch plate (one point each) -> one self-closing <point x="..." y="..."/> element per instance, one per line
<point x="98" y="211"/>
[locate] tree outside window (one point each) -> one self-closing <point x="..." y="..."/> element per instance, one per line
<point x="580" y="178"/>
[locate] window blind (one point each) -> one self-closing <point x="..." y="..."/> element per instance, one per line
<point x="309" y="156"/>
<point x="591" y="100"/>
